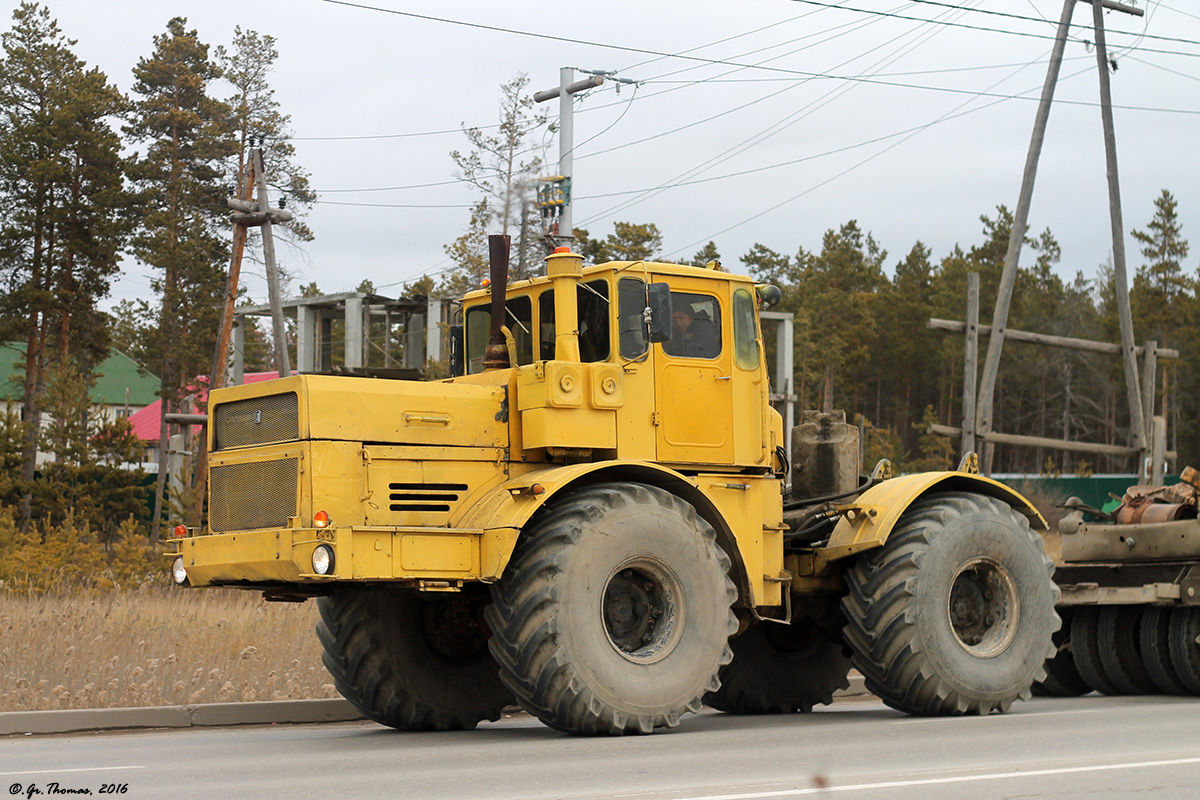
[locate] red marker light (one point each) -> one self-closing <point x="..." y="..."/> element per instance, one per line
<point x="558" y="250"/>
<point x="180" y="531"/>
<point x="321" y="519"/>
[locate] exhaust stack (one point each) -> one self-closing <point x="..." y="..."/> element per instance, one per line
<point x="496" y="354"/>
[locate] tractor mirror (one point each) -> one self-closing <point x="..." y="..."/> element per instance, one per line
<point x="658" y="303"/>
<point x="768" y="295"/>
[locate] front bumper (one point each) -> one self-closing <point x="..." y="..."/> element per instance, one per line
<point x="415" y="555"/>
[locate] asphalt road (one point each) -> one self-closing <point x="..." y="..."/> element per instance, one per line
<point x="1045" y="748"/>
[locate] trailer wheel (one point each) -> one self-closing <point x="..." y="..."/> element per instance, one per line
<point x="614" y="614"/>
<point x="954" y="613"/>
<point x="1062" y="676"/>
<point x="778" y="669"/>
<point x="1156" y="649"/>
<point x="1085" y="633"/>
<point x="1185" y="646"/>
<point x="411" y="663"/>
<point x="1120" y="650"/>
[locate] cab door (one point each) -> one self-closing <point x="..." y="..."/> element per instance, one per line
<point x="693" y="382"/>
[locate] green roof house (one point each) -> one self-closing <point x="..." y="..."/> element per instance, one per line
<point x="119" y="389"/>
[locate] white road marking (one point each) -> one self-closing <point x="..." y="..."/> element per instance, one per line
<point x="60" y="771"/>
<point x="1023" y="714"/>
<point x="989" y="776"/>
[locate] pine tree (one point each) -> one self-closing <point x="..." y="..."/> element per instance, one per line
<point x="188" y="137"/>
<point x="1161" y="293"/>
<point x="905" y="374"/>
<point x="631" y="241"/>
<point x="840" y="286"/>
<point x="67" y="402"/>
<point x="62" y="228"/>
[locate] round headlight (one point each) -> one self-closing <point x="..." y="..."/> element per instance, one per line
<point x="178" y="572"/>
<point x="322" y="559"/>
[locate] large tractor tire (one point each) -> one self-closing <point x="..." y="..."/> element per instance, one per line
<point x="1121" y="650"/>
<point x="1156" y="649"/>
<point x="1085" y="634"/>
<point x="778" y="669"/>
<point x="412" y="663"/>
<point x="614" y="614"/>
<point x="954" y="614"/>
<point x="1062" y="676"/>
<point x="1185" y="646"/>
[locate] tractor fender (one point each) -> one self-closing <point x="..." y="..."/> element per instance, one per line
<point x="510" y="505"/>
<point x="875" y="513"/>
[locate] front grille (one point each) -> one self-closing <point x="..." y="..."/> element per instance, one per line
<point x="257" y="420"/>
<point x="424" y="496"/>
<point x="258" y="494"/>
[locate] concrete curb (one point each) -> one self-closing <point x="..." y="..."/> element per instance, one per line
<point x="217" y="714"/>
<point x="254" y="713"/>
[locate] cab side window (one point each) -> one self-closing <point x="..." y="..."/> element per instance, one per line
<point x="696" y="326"/>
<point x="594" y="315"/>
<point x="745" y="334"/>
<point x="518" y="314"/>
<point x="592" y="300"/>
<point x="631" y="321"/>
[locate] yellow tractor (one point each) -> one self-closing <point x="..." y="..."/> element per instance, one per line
<point x="590" y="519"/>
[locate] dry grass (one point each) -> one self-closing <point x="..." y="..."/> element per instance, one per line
<point x="155" y="647"/>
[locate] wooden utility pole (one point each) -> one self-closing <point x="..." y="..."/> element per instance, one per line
<point x="1120" y="281"/>
<point x="991" y="366"/>
<point x="971" y="366"/>
<point x="259" y="214"/>
<point x="245" y="191"/>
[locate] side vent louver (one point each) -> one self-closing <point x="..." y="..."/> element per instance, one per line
<point x="424" y="496"/>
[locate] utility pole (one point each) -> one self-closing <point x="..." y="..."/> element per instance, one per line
<point x="247" y="214"/>
<point x="244" y="193"/>
<point x="1120" y="281"/>
<point x="991" y="367"/>
<point x="554" y="197"/>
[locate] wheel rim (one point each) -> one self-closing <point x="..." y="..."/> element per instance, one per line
<point x="983" y="607"/>
<point x="643" y="610"/>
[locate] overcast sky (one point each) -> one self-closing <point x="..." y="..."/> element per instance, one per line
<point x="870" y="111"/>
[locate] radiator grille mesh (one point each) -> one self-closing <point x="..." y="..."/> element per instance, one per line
<point x="256" y="420"/>
<point x="258" y="494"/>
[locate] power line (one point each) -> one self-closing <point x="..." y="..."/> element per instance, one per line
<point x="387" y="188"/>
<point x="395" y="205"/>
<point x="994" y="13"/>
<point x="662" y="55"/>
<point x="1026" y="34"/>
<point x="815" y="156"/>
<point x="963" y="25"/>
<point x="645" y="51"/>
<point x="782" y="124"/>
<point x="828" y="180"/>
<point x="375" y="136"/>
